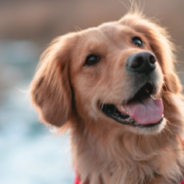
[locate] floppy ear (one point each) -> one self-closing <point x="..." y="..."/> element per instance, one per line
<point x="163" y="49"/>
<point x="50" y="88"/>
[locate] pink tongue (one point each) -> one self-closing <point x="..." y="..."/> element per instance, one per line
<point x="148" y="111"/>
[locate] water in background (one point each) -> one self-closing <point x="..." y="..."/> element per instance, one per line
<point x="29" y="153"/>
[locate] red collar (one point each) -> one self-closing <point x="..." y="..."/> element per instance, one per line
<point x="77" y="181"/>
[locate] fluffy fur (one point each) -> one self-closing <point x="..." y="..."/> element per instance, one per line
<point x="67" y="94"/>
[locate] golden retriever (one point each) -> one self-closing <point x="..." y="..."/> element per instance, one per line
<point x="115" y="88"/>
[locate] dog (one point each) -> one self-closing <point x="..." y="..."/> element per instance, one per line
<point x="115" y="88"/>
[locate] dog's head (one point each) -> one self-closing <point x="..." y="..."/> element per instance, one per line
<point x="116" y="73"/>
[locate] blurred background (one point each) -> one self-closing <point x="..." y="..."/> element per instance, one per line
<point x="29" y="153"/>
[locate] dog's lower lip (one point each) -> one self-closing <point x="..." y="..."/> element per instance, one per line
<point x="112" y="112"/>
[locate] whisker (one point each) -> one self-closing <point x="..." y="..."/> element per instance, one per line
<point x="77" y="28"/>
<point x="124" y="5"/>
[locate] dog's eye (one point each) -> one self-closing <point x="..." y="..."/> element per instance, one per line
<point x="138" y="42"/>
<point x="92" y="60"/>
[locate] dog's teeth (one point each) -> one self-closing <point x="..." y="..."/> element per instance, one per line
<point x="123" y="108"/>
<point x="146" y="90"/>
<point x="152" y="96"/>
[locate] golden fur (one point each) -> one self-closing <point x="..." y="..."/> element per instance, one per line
<point x="68" y="94"/>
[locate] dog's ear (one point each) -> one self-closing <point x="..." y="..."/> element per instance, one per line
<point x="50" y="88"/>
<point x="161" y="46"/>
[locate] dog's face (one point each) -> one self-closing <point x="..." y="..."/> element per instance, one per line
<point x="114" y="74"/>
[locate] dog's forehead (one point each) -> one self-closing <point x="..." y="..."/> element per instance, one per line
<point x="104" y="36"/>
<point x="108" y="30"/>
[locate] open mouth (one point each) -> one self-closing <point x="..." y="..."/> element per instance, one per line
<point x="143" y="110"/>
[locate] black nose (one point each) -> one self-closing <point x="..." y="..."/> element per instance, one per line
<point x="142" y="62"/>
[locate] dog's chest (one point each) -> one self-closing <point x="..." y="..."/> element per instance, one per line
<point x="116" y="171"/>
